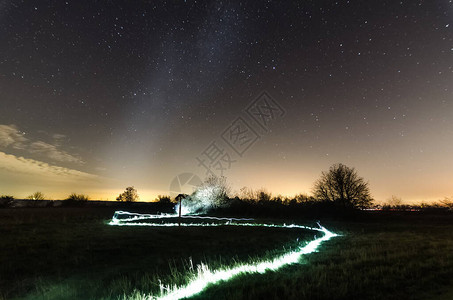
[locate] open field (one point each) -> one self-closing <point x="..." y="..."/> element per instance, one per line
<point x="71" y="253"/>
<point x="410" y="258"/>
<point x="46" y="252"/>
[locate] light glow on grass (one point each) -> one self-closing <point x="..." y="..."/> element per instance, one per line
<point x="204" y="276"/>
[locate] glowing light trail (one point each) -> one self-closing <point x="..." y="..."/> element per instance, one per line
<point x="130" y="217"/>
<point x="203" y="275"/>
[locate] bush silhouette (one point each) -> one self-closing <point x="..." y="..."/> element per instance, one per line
<point x="163" y="199"/>
<point x="6" y="200"/>
<point x="76" y="200"/>
<point x="77" y="197"/>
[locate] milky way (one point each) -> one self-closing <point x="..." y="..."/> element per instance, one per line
<point x="132" y="92"/>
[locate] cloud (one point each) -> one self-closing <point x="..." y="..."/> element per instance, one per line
<point x="58" y="136"/>
<point x="58" y="139"/>
<point x="17" y="164"/>
<point x="11" y="137"/>
<point x="21" y="176"/>
<point x="52" y="152"/>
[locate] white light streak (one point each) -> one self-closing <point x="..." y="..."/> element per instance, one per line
<point x="204" y="276"/>
<point x="121" y="217"/>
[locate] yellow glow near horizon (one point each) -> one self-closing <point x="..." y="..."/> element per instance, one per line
<point x="21" y="177"/>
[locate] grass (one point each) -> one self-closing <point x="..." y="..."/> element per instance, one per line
<point x="395" y="259"/>
<point x="70" y="253"/>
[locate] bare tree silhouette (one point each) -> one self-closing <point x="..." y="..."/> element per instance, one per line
<point x="37" y="196"/>
<point x="344" y="186"/>
<point x="447" y="202"/>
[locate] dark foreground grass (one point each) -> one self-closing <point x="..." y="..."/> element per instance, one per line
<point x="70" y="253"/>
<point x="398" y="258"/>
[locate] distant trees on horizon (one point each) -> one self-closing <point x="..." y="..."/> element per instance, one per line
<point x="77" y="197"/>
<point x="340" y="185"/>
<point x="447" y="202"/>
<point x="163" y="199"/>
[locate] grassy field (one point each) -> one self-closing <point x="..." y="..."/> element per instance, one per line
<point x="56" y="253"/>
<point x="410" y="258"/>
<point x="71" y="253"/>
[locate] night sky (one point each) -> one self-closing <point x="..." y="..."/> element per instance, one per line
<point x="99" y="95"/>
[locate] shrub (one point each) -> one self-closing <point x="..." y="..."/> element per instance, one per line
<point x="77" y="197"/>
<point x="76" y="200"/>
<point x="5" y="201"/>
<point x="163" y="199"/>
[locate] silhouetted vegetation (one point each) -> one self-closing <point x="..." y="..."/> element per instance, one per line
<point x="76" y="200"/>
<point x="342" y="185"/>
<point x="6" y="200"/>
<point x="394" y="201"/>
<point x="37" y="196"/>
<point x="264" y="205"/>
<point x="339" y="191"/>
<point x="163" y="199"/>
<point x="447" y="202"/>
<point x="129" y="195"/>
<point x="213" y="197"/>
<point x="37" y="199"/>
<point x="77" y="197"/>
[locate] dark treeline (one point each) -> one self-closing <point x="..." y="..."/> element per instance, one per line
<point x="307" y="206"/>
<point x="264" y="206"/>
<point x="340" y="191"/>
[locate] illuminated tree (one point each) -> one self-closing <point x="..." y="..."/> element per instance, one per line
<point x="213" y="193"/>
<point x="129" y="195"/>
<point x="343" y="185"/>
